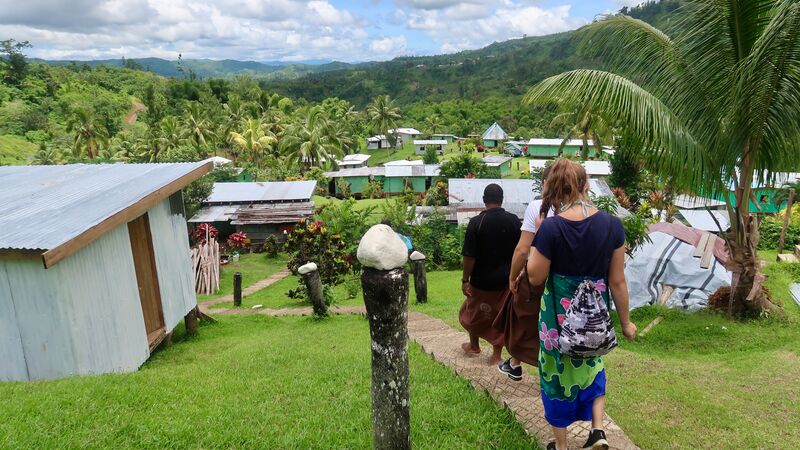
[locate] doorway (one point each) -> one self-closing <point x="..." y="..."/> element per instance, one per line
<point x="144" y="262"/>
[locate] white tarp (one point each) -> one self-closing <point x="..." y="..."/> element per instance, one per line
<point x="670" y="261"/>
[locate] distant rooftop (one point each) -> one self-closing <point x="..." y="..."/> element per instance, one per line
<point x="261" y="192"/>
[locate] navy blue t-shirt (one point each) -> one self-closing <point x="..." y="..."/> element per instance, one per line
<point x="580" y="248"/>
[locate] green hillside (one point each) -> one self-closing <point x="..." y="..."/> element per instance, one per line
<point x="15" y="150"/>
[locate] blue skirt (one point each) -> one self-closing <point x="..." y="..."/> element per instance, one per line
<point x="562" y="413"/>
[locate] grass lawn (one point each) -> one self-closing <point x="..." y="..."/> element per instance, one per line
<point x="15" y="150"/>
<point x="391" y="154"/>
<point x="253" y="266"/>
<point x="252" y="382"/>
<point x="694" y="381"/>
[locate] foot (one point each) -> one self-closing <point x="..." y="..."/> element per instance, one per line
<point x="552" y="446"/>
<point x="469" y="349"/>
<point x="495" y="359"/>
<point x="597" y="440"/>
<point x="515" y="373"/>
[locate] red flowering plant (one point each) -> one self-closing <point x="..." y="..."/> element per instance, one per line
<point x="238" y="240"/>
<point x="312" y="241"/>
<point x="203" y="232"/>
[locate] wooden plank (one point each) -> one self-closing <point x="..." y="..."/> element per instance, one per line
<point x="701" y="246"/>
<point x="708" y="253"/>
<point x="146" y="275"/>
<point x="652" y="324"/>
<point x="155" y="337"/>
<point x="61" y="251"/>
<point x="12" y="253"/>
<point x="666" y="293"/>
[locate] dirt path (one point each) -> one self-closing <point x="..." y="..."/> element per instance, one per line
<point x="443" y="344"/>
<point x="133" y="114"/>
<point x="205" y="307"/>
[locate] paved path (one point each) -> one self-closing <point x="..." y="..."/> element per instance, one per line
<point x="443" y="344"/>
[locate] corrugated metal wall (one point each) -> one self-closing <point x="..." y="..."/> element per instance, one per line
<point x="13" y="365"/>
<point x="171" y="245"/>
<point x="81" y="316"/>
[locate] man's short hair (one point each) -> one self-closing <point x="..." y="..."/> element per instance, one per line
<point x="493" y="194"/>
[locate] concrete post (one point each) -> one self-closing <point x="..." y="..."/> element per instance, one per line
<point x="237" y="289"/>
<point x="385" y="286"/>
<point x="311" y="278"/>
<point x="420" y="276"/>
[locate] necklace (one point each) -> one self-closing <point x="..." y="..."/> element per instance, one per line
<point x="584" y="207"/>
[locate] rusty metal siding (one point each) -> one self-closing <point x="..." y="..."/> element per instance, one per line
<point x="82" y="316"/>
<point x="171" y="246"/>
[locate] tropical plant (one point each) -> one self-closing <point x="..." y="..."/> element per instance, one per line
<point x="254" y="141"/>
<point x="312" y="139"/>
<point x="313" y="241"/>
<point x="89" y="132"/>
<point x="237" y="240"/>
<point x="437" y="194"/>
<point x="198" y="129"/>
<point x="433" y="123"/>
<point x="373" y="189"/>
<point x="584" y="125"/>
<point x="466" y="166"/>
<point x="46" y="156"/>
<point x="383" y="116"/>
<point x="171" y="135"/>
<point x="343" y="219"/>
<point x="713" y="106"/>
<point x="430" y="156"/>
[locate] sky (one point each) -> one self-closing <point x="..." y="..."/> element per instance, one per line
<point x="283" y="30"/>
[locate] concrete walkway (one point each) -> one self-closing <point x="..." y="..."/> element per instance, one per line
<point x="443" y="344"/>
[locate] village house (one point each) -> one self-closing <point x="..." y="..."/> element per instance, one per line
<point x="502" y="163"/>
<point x="259" y="209"/>
<point x="353" y="161"/>
<point x="357" y="178"/>
<point x="405" y="135"/>
<point x="551" y="148"/>
<point x="421" y="146"/>
<point x="450" y="138"/>
<point x="494" y="136"/>
<point x="393" y="176"/>
<point x="377" y="142"/>
<point x="94" y="266"/>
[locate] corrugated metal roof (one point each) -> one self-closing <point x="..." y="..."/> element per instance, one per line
<point x="702" y="219"/>
<point x="405" y="131"/>
<point x="357" y="172"/>
<point x="44" y="206"/>
<point x="220" y="213"/>
<point x="430" y="142"/>
<point x="495" y="133"/>
<point x="270" y="191"/>
<point x="356" y="157"/>
<point x="404" y="162"/>
<point x="597" y="168"/>
<point x="428" y="170"/>
<point x="537" y="163"/>
<point x="691" y="202"/>
<point x="470" y="190"/>
<point x="495" y="160"/>
<point x="557" y="142"/>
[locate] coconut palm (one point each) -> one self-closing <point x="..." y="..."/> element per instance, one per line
<point x="171" y="133"/>
<point x="383" y="116"/>
<point x="433" y="123"/>
<point x="198" y="129"/>
<point x="312" y="139"/>
<point x="583" y="125"/>
<point x="90" y="133"/>
<point x="715" y="104"/>
<point x="254" y="140"/>
<point x="46" y="156"/>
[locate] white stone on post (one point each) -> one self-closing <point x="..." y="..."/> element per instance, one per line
<point x="420" y="276"/>
<point x="385" y="284"/>
<point x="313" y="283"/>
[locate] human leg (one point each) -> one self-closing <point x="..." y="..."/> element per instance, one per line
<point x="473" y="346"/>
<point x="497" y="355"/>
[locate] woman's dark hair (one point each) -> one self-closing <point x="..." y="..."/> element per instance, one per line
<point x="566" y="182"/>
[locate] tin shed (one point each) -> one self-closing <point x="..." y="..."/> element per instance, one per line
<point x="94" y="266"/>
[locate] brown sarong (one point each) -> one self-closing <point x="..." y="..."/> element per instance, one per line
<point x="518" y="320"/>
<point x="479" y="312"/>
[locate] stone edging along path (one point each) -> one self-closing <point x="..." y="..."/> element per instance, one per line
<point x="443" y="344"/>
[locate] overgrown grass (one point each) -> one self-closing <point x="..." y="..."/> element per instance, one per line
<point x="252" y="382"/>
<point x="253" y="266"/>
<point x="695" y="381"/>
<point x="15" y="150"/>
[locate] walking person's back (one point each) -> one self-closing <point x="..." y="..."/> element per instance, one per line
<point x="488" y="248"/>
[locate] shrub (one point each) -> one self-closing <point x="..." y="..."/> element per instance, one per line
<point x="272" y="246"/>
<point x="373" y="189"/>
<point x="466" y="166"/>
<point x="435" y="239"/>
<point x="202" y="232"/>
<point x="770" y="231"/>
<point x="313" y="242"/>
<point x="635" y="232"/>
<point x="238" y="240"/>
<point x="353" y="286"/>
<point x="437" y="194"/>
<point x="344" y="220"/>
<point x="344" y="188"/>
<point x="430" y="157"/>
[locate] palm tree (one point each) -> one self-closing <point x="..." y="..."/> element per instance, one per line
<point x="433" y="123"/>
<point x="90" y="133"/>
<point x="46" y="156"/>
<point x="198" y="128"/>
<point x="585" y="126"/>
<point x="313" y="139"/>
<point x="715" y="106"/>
<point x="254" y="140"/>
<point x="171" y="133"/>
<point x="383" y="116"/>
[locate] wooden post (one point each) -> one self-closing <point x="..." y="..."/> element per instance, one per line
<point x="191" y="322"/>
<point x="237" y="289"/>
<point x="786" y="220"/>
<point x="420" y="276"/>
<point x="385" y="285"/>
<point x="313" y="283"/>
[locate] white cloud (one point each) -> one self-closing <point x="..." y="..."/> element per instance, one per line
<point x="388" y="46"/>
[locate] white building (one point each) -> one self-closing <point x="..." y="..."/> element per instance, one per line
<point x="353" y="161"/>
<point x="405" y="135"/>
<point x="421" y="146"/>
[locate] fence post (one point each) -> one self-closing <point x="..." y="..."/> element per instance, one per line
<point x="313" y="283"/>
<point x="385" y="285"/>
<point x="191" y="322"/>
<point x="237" y="289"/>
<point x="420" y="276"/>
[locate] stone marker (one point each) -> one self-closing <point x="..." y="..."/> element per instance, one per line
<point x="313" y="283"/>
<point x="237" y="289"/>
<point x="420" y="276"/>
<point x="385" y="284"/>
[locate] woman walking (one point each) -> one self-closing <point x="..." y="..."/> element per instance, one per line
<point x="578" y="247"/>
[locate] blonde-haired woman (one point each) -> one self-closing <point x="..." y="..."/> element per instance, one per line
<point x="579" y="243"/>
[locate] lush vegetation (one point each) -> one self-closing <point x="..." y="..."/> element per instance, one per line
<point x="252" y="382"/>
<point x="254" y="267"/>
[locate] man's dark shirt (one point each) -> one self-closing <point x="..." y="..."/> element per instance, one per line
<point x="491" y="239"/>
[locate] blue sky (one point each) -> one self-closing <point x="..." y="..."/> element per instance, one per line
<point x="286" y="30"/>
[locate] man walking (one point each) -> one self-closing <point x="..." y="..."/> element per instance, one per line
<point x="488" y="248"/>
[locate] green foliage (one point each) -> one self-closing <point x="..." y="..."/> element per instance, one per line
<point x="373" y="189"/>
<point x="467" y="166"/>
<point x="770" y="231"/>
<point x="437" y="241"/>
<point x="314" y="242"/>
<point x="183" y="153"/>
<point x="635" y="232"/>
<point x="12" y="61"/>
<point x="430" y="156"/>
<point x="626" y="171"/>
<point x="606" y="203"/>
<point x="346" y="221"/>
<point x="272" y="246"/>
<point x="344" y="188"/>
<point x="437" y="195"/>
<point x="15" y="151"/>
<point x="400" y="212"/>
<point x="195" y="193"/>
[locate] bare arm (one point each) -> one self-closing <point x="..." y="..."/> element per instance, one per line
<point x="619" y="292"/>
<point x="469" y="266"/>
<point x="518" y="260"/>
<point x="538" y="268"/>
